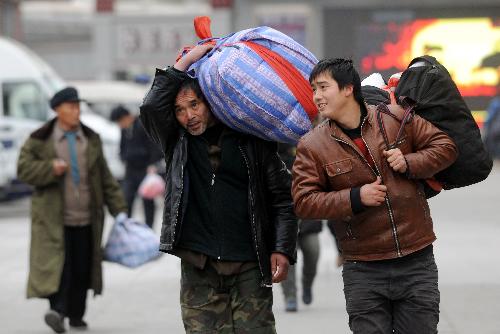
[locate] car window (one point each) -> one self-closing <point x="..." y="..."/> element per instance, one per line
<point x="24" y="100"/>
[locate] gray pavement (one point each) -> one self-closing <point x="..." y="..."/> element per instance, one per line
<point x="145" y="300"/>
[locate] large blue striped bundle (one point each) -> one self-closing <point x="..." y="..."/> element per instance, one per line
<point x="247" y="94"/>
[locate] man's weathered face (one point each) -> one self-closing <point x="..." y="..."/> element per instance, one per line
<point x="327" y="96"/>
<point x="192" y="113"/>
<point x="68" y="114"/>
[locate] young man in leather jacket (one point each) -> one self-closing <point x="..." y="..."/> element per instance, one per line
<point x="345" y="172"/>
<point x="228" y="210"/>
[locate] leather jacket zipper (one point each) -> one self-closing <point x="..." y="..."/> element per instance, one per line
<point x="377" y="173"/>
<point x="387" y="202"/>
<point x="178" y="202"/>
<point x="349" y="231"/>
<point x="253" y="215"/>
<point x="221" y="238"/>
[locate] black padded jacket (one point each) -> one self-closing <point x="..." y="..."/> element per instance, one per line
<point x="273" y="223"/>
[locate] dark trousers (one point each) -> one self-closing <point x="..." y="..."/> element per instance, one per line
<point x="131" y="183"/>
<point x="309" y="245"/>
<point x="330" y="224"/>
<point x="393" y="296"/>
<point x="70" y="300"/>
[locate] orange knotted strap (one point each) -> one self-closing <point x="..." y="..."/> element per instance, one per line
<point x="202" y="29"/>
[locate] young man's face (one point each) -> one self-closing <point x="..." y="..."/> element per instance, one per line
<point x="327" y="96"/>
<point x="192" y="113"/>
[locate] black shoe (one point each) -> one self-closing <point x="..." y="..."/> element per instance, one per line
<point x="307" y="297"/>
<point x="78" y="324"/>
<point x="55" y="320"/>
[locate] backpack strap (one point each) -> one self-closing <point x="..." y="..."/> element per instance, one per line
<point x="382" y="108"/>
<point x="432" y="187"/>
<point x="409" y="111"/>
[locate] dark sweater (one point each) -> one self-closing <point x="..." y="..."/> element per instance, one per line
<point x="355" y="134"/>
<point x="217" y="220"/>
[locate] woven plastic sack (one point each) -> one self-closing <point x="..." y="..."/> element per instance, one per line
<point x="131" y="243"/>
<point x="250" y="91"/>
<point x="152" y="186"/>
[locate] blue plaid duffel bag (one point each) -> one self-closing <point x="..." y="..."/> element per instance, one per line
<point x="131" y="243"/>
<point x="257" y="82"/>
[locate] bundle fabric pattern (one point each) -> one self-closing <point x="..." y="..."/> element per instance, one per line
<point x="131" y="243"/>
<point x="256" y="82"/>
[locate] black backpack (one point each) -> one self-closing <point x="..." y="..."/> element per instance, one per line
<point x="438" y="100"/>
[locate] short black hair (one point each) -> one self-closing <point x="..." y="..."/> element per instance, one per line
<point x="118" y="112"/>
<point x="192" y="83"/>
<point x="342" y="71"/>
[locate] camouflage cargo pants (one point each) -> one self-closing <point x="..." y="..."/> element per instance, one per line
<point x="213" y="303"/>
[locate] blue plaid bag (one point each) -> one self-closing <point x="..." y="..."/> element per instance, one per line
<point x="247" y="94"/>
<point x="131" y="243"/>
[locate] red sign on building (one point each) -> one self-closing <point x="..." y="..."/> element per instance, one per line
<point x="104" y="6"/>
<point x="222" y="3"/>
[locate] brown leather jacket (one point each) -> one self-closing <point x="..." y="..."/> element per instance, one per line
<point x="328" y="164"/>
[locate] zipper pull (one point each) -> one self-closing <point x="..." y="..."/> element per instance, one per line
<point x="213" y="179"/>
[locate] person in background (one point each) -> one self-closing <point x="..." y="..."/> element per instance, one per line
<point x="330" y="225"/>
<point x="228" y="214"/>
<point x="140" y="156"/>
<point x="307" y="242"/>
<point x="492" y="125"/>
<point x="64" y="162"/>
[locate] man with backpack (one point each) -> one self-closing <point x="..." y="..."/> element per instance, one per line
<point x="345" y="171"/>
<point x="228" y="209"/>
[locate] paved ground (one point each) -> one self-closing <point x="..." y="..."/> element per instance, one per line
<point x="145" y="300"/>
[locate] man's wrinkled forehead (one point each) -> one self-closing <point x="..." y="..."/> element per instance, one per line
<point x="186" y="95"/>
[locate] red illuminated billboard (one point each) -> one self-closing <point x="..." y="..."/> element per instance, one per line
<point x="465" y="41"/>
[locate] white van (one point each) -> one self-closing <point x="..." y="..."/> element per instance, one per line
<point x="26" y="85"/>
<point x="104" y="95"/>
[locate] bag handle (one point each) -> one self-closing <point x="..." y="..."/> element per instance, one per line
<point x="409" y="107"/>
